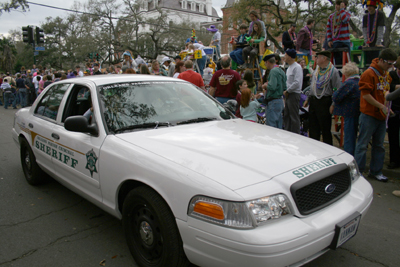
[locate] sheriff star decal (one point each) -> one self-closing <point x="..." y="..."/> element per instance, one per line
<point x="91" y="162"/>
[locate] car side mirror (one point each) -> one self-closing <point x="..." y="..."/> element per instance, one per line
<point x="80" y="124"/>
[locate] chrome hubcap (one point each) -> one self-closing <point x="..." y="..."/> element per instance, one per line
<point x="28" y="161"/>
<point x="146" y="233"/>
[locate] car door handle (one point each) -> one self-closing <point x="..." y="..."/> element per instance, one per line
<point x="30" y="125"/>
<point x="55" y="136"/>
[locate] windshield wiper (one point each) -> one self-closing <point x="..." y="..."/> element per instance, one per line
<point x="196" y="120"/>
<point x="143" y="126"/>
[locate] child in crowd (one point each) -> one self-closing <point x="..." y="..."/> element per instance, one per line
<point x="249" y="78"/>
<point x="240" y="42"/>
<point x="240" y="85"/>
<point x="248" y="106"/>
<point x="257" y="36"/>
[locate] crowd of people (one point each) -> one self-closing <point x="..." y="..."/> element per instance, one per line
<point x="359" y="99"/>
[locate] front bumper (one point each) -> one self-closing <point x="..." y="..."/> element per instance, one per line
<point x="290" y="241"/>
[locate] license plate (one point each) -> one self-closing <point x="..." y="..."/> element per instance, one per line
<point x="346" y="230"/>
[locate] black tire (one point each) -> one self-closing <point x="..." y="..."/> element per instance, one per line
<point x="34" y="175"/>
<point x="151" y="231"/>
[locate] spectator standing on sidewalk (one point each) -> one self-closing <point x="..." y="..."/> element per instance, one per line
<point x="347" y="104"/>
<point x="275" y="86"/>
<point x="394" y="121"/>
<point x="373" y="84"/>
<point x="21" y="90"/>
<point x="325" y="79"/>
<point x="393" y="96"/>
<point x="294" y="83"/>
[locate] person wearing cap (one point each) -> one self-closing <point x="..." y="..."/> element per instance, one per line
<point x="373" y="28"/>
<point x="374" y="83"/>
<point x="394" y="121"/>
<point x="337" y="29"/>
<point x="294" y="83"/>
<point x="276" y="85"/>
<point x="289" y="38"/>
<point x="216" y="40"/>
<point x="324" y="81"/>
<point x="78" y="70"/>
<point x="305" y="39"/>
<point x="96" y="69"/>
<point x="165" y="63"/>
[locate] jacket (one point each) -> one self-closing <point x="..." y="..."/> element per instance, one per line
<point x="368" y="85"/>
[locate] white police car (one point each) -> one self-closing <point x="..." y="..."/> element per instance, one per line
<point x="191" y="182"/>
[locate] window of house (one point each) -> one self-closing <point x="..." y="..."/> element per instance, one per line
<point x="184" y="4"/>
<point x="201" y="8"/>
<point x="193" y="6"/>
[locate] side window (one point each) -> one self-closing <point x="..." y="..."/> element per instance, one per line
<point x="78" y="103"/>
<point x="50" y="103"/>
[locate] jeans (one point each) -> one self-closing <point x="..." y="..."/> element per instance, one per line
<point x="1" y="103"/>
<point x="307" y="52"/>
<point x="371" y="127"/>
<point x="236" y="56"/>
<point x="274" y="113"/>
<point x="339" y="55"/>
<point x="7" y="98"/>
<point x="350" y="134"/>
<point x="202" y="63"/>
<point x="23" y="96"/>
<point x="223" y="100"/>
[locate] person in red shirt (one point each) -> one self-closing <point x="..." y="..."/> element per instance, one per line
<point x="192" y="76"/>
<point x="223" y="82"/>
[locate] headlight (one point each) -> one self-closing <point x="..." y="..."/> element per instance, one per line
<point x="354" y="172"/>
<point x="242" y="215"/>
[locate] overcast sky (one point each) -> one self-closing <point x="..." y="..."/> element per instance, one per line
<point x="37" y="14"/>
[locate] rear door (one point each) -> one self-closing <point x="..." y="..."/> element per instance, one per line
<point x="44" y="145"/>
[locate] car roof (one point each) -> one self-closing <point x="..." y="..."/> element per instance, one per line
<point x="120" y="78"/>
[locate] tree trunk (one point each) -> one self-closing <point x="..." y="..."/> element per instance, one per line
<point x="354" y="28"/>
<point x="388" y="24"/>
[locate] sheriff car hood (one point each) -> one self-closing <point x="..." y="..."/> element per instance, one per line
<point x="234" y="153"/>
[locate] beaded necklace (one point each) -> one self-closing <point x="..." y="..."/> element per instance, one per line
<point x="383" y="84"/>
<point x="335" y="25"/>
<point x="371" y="36"/>
<point x="321" y="79"/>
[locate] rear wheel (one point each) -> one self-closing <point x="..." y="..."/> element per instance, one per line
<point x="150" y="229"/>
<point x="34" y="175"/>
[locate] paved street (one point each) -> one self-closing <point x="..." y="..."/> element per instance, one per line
<point x="50" y="225"/>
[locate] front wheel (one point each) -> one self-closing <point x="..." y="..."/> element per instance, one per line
<point x="150" y="229"/>
<point x="34" y="175"/>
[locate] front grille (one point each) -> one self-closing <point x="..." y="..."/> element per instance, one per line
<point x="312" y="197"/>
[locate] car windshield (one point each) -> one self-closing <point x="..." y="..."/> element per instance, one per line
<point x="151" y="105"/>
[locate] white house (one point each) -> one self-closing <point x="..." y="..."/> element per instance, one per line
<point x="193" y="11"/>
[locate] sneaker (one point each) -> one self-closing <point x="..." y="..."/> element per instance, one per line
<point x="396" y="193"/>
<point x="379" y="177"/>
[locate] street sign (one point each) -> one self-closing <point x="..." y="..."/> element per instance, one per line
<point x="39" y="48"/>
<point x="36" y="53"/>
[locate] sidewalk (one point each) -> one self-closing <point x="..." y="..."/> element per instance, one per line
<point x="390" y="173"/>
